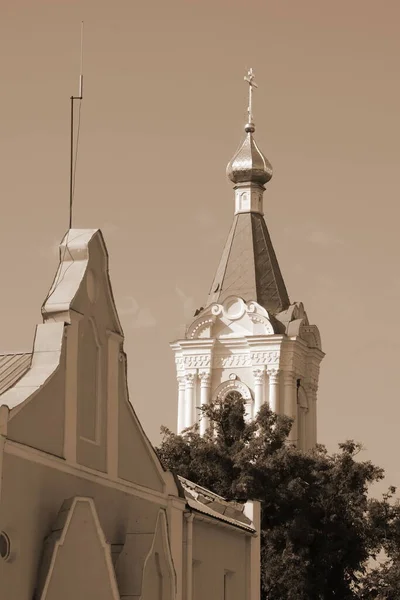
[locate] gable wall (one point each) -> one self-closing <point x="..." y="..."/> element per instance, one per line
<point x="32" y="495"/>
<point x="41" y="422"/>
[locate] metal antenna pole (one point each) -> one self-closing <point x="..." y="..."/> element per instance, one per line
<point x="71" y="166"/>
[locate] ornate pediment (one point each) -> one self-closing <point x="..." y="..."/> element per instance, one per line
<point x="234" y="318"/>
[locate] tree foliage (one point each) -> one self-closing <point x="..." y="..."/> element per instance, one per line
<point x="318" y="527"/>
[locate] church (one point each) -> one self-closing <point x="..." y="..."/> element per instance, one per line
<point x="86" y="508"/>
<point x="249" y="339"/>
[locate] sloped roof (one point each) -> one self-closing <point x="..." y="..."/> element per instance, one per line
<point x="208" y="503"/>
<point x="249" y="267"/>
<point x="12" y="368"/>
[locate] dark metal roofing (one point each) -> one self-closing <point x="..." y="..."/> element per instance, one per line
<point x="208" y="503"/>
<point x="12" y="368"/>
<point x="249" y="267"/>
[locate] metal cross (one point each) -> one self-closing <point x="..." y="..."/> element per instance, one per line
<point x="252" y="84"/>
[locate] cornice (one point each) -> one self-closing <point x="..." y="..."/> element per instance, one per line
<point x="198" y="343"/>
<point x="55" y="462"/>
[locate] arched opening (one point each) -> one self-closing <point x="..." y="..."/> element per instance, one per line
<point x="233" y="396"/>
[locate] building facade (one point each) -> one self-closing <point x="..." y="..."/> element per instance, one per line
<point x="86" y="509"/>
<point x="249" y="338"/>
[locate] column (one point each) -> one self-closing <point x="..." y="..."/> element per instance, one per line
<point x="290" y="402"/>
<point x="190" y="379"/>
<point x="181" y="403"/>
<point x="205" y="384"/>
<point x="259" y="379"/>
<point x="311" y="418"/>
<point x="273" y="375"/>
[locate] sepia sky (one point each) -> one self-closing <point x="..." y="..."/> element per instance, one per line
<point x="163" y="112"/>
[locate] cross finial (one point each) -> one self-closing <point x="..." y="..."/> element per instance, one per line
<point x="252" y="84"/>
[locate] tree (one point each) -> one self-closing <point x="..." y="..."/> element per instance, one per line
<point x="383" y="581"/>
<point x="317" y="529"/>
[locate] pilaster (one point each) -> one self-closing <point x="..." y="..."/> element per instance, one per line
<point x="205" y="384"/>
<point x="311" y="388"/>
<point x="181" y="402"/>
<point x="71" y="332"/>
<point x="273" y="375"/>
<point x="259" y="388"/>
<point x="114" y="357"/>
<point x="190" y="380"/>
<point x="290" y="402"/>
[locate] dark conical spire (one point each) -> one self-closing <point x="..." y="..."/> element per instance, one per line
<point x="249" y="267"/>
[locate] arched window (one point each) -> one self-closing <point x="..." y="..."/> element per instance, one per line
<point x="234" y="389"/>
<point x="233" y="396"/>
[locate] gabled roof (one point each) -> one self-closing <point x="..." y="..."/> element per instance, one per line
<point x="12" y="368"/>
<point x="202" y="500"/>
<point x="249" y="267"/>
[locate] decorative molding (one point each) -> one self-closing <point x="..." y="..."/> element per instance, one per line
<point x="289" y="378"/>
<point x="191" y="361"/>
<point x="98" y="392"/>
<point x="231" y="361"/>
<point x="190" y="379"/>
<point x="76" y="470"/>
<point x="311" y="387"/>
<point x="232" y="385"/>
<point x="273" y="375"/>
<point x="311" y="335"/>
<point x="181" y="382"/>
<point x="265" y="358"/>
<point x="259" y="375"/>
<point x="205" y="379"/>
<point x="69" y="507"/>
<point x="179" y="363"/>
<point x="255" y="318"/>
<point x="198" y="326"/>
<point x="294" y="361"/>
<point x="312" y="371"/>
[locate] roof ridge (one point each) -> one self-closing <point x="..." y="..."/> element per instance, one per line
<point x="283" y="295"/>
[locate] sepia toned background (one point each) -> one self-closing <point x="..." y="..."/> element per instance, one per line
<point x="163" y="112"/>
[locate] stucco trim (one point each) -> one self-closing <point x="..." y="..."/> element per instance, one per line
<point x="54" y="462"/>
<point x="102" y="539"/>
<point x="232" y="385"/>
<point x="161" y="524"/>
<point x="72" y="271"/>
<point x="48" y="346"/>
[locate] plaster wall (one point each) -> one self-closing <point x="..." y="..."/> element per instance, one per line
<point x="218" y="555"/>
<point x="32" y="495"/>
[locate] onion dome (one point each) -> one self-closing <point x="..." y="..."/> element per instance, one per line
<point x="249" y="164"/>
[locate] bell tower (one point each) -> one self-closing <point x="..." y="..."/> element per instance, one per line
<point x="249" y="338"/>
